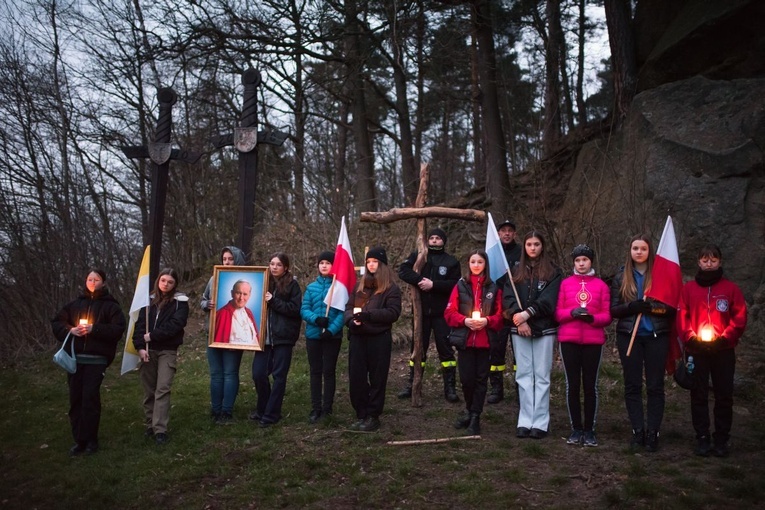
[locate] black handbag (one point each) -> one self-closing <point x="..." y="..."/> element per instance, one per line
<point x="683" y="377"/>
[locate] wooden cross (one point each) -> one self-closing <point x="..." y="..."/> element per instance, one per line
<point x="420" y="212"/>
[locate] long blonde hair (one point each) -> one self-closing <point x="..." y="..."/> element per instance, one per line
<point x="628" y="290"/>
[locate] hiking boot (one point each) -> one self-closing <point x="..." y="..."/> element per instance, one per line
<point x="589" y="439"/>
<point x="370" y="424"/>
<point x="576" y="437"/>
<point x="407" y="391"/>
<point x="652" y="440"/>
<point x="497" y="391"/>
<point x="703" y="446"/>
<point x="314" y="416"/>
<point x="463" y="420"/>
<point x="450" y="385"/>
<point x="638" y="439"/>
<point x="474" y="427"/>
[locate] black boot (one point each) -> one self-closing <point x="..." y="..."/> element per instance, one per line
<point x="497" y="392"/>
<point x="638" y="439"/>
<point x="463" y="420"/>
<point x="407" y="391"/>
<point x="450" y="385"/>
<point x="652" y="440"/>
<point x="474" y="427"/>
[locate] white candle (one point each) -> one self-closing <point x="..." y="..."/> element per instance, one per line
<point x="706" y="334"/>
<point x="476" y="315"/>
<point x="83" y="322"/>
<point x="356" y="310"/>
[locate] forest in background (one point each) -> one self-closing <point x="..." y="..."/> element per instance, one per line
<point x="367" y="90"/>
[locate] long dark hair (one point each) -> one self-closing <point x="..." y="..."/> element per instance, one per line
<point x="163" y="298"/>
<point x="543" y="268"/>
<point x="281" y="283"/>
<point x="382" y="280"/>
<point x="486" y="270"/>
<point x="628" y="290"/>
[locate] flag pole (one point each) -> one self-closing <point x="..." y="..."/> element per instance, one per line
<point x="331" y="292"/>
<point x="515" y="290"/>
<point x="634" y="332"/>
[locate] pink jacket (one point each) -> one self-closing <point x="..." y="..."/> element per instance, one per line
<point x="595" y="293"/>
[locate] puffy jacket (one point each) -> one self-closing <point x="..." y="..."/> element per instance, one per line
<point x="442" y="269"/>
<point x="103" y="312"/>
<point x="283" y="326"/>
<point x="594" y="293"/>
<point x="384" y="308"/>
<point x="462" y="303"/>
<point x="166" y="325"/>
<point x="721" y="306"/>
<point x="539" y="298"/>
<point x="658" y="323"/>
<point x="314" y="307"/>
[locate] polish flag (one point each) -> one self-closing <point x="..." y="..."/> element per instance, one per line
<point x="344" y="272"/>
<point x="666" y="285"/>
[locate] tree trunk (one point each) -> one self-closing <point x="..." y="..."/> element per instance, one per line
<point x="581" y="107"/>
<point x="622" y="42"/>
<point x="551" y="127"/>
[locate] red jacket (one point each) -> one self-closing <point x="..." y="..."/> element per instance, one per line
<point x="721" y="306"/>
<point x="595" y="293"/>
<point x="456" y="319"/>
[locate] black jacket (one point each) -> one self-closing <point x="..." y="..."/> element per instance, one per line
<point x="165" y="325"/>
<point x="100" y="309"/>
<point x="384" y="308"/>
<point x="539" y="299"/>
<point x="662" y="323"/>
<point x="440" y="267"/>
<point x="283" y="326"/>
<point x="512" y="253"/>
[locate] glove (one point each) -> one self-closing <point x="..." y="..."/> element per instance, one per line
<point x="639" y="306"/>
<point x="363" y="317"/>
<point x="322" y="322"/>
<point x="576" y="312"/>
<point x="326" y="335"/>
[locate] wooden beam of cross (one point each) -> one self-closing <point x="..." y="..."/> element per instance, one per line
<point x="160" y="152"/>
<point x="246" y="138"/>
<point x="420" y="212"/>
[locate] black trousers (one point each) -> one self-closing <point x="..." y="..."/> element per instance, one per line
<point x="498" y="350"/>
<point x="85" y="402"/>
<point x="436" y="324"/>
<point x="720" y="366"/>
<point x="649" y="353"/>
<point x="582" y="365"/>
<point x="322" y="362"/>
<point x="473" y="366"/>
<point x="368" y="365"/>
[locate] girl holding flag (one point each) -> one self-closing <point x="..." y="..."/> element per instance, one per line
<point x="647" y="350"/>
<point x="324" y="335"/>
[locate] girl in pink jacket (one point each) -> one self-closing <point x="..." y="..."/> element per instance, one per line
<point x="583" y="313"/>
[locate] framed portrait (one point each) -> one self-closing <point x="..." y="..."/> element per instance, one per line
<point x="238" y="319"/>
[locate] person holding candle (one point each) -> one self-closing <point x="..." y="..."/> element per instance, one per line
<point x="711" y="318"/>
<point x="434" y="282"/>
<point x="583" y="313"/>
<point x="532" y="313"/>
<point x="650" y="346"/>
<point x="158" y="333"/>
<point x="283" y="300"/>
<point x="369" y="315"/>
<point x="323" y="338"/>
<point x="474" y="312"/>
<point x="95" y="323"/>
<point x="224" y="363"/>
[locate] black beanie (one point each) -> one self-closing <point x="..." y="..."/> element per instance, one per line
<point x="437" y="232"/>
<point x="378" y="252"/>
<point x="583" y="250"/>
<point x="329" y="256"/>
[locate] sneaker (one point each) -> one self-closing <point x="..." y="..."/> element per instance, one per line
<point x="537" y="433"/>
<point x="652" y="440"/>
<point x="161" y="438"/>
<point x="721" y="450"/>
<point x="575" y="437"/>
<point x="356" y="426"/>
<point x="314" y="416"/>
<point x="703" y="446"/>
<point x="91" y="448"/>
<point x="637" y="441"/>
<point x="522" y="432"/>
<point x="149" y="432"/>
<point x="589" y="439"/>
<point x="370" y="424"/>
<point x="255" y="416"/>
<point x="224" y="418"/>
<point x="77" y="449"/>
<point x="405" y="393"/>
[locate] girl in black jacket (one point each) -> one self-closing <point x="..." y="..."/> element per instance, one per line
<point x="95" y="323"/>
<point x="157" y="339"/>
<point x="533" y="330"/>
<point x="649" y="350"/>
<point x="369" y="315"/>
<point x="283" y="301"/>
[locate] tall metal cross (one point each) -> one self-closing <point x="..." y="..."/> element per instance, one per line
<point x="160" y="152"/>
<point x="246" y="139"/>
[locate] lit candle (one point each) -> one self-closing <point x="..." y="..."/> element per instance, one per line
<point x="476" y="315"/>
<point x="707" y="334"/>
<point x="83" y="322"/>
<point x="356" y="310"/>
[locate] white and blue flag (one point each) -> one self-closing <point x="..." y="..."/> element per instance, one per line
<point x="497" y="262"/>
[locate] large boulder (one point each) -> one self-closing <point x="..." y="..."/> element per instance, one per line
<point x="692" y="149"/>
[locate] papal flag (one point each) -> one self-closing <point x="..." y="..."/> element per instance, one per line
<point x="130" y="359"/>
<point x="497" y="262"/>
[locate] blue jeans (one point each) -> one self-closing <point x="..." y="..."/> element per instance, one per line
<point x="273" y="360"/>
<point x="224" y="378"/>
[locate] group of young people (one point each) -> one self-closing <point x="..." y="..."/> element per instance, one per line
<point x="534" y="305"/>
